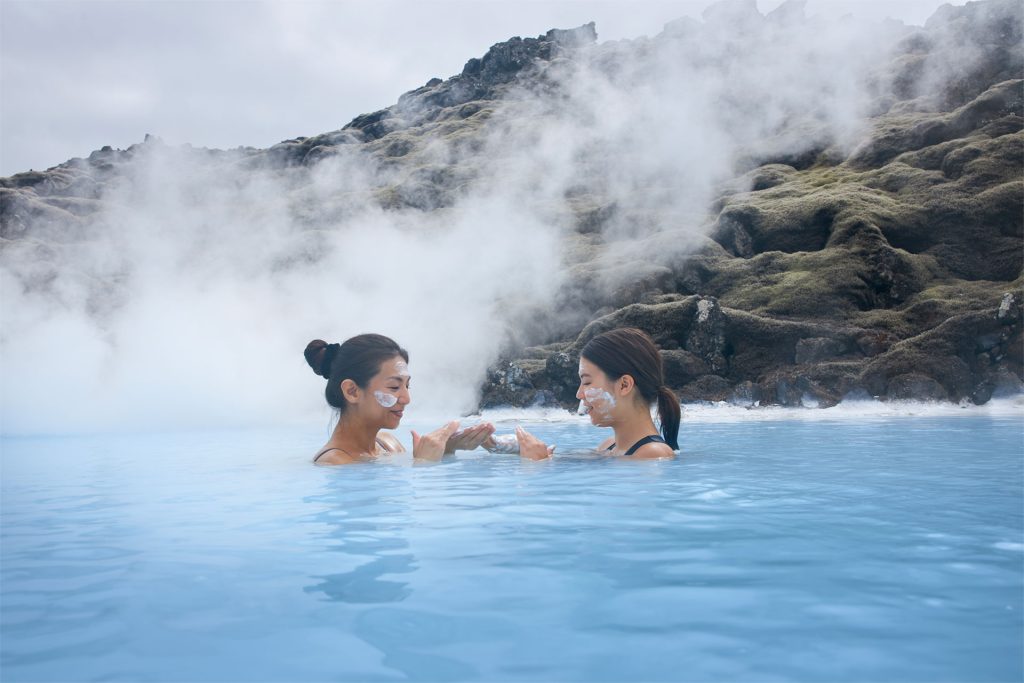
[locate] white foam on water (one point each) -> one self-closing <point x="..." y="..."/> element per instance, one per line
<point x="853" y="410"/>
<point x="1006" y="408"/>
<point x="1007" y="545"/>
<point x="509" y="414"/>
<point x="713" y="494"/>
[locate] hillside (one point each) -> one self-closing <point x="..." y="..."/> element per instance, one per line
<point x="803" y="260"/>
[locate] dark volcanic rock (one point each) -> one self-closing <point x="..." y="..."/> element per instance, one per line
<point x="481" y="79"/>
<point x="892" y="268"/>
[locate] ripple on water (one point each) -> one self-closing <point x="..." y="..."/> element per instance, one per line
<point x="801" y="552"/>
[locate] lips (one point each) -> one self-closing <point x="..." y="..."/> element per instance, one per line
<point x="398" y="413"/>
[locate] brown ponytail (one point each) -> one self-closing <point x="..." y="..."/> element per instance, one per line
<point x="669" y="414"/>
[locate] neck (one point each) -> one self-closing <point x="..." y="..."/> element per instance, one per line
<point x="354" y="436"/>
<point x="633" y="427"/>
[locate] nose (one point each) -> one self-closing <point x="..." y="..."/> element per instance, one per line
<point x="579" y="392"/>
<point x="404" y="397"/>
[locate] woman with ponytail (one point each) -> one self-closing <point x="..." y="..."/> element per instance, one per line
<point x="368" y="383"/>
<point x="621" y="377"/>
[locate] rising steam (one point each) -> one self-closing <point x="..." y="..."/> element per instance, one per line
<point x="188" y="296"/>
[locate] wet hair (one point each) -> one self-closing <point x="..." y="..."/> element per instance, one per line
<point x="629" y="351"/>
<point x="357" y="359"/>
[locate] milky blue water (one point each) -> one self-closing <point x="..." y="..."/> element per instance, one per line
<point x="787" y="550"/>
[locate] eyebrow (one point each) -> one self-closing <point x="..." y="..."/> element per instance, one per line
<point x="398" y="377"/>
<point x="584" y="374"/>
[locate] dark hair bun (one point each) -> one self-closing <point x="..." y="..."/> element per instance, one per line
<point x="318" y="355"/>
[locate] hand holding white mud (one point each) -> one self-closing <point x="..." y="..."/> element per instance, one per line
<point x="531" y="447"/>
<point x="469" y="438"/>
<point x="432" y="446"/>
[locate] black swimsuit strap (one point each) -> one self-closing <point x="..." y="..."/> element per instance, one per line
<point x="379" y="443"/>
<point x="653" y="438"/>
<point x="326" y="450"/>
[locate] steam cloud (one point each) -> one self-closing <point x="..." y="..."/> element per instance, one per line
<point x="187" y="298"/>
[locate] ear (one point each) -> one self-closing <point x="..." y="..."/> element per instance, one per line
<point x="351" y="391"/>
<point x="625" y="384"/>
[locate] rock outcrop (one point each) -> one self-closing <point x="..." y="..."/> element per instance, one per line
<point x="893" y="269"/>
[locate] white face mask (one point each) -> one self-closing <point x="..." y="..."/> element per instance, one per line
<point x="402" y="368"/>
<point x="385" y="399"/>
<point x="600" y="400"/>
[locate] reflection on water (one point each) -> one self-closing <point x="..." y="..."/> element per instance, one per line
<point x="878" y="551"/>
<point x="366" y="531"/>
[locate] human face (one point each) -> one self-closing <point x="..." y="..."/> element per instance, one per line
<point x="596" y="393"/>
<point x="389" y="391"/>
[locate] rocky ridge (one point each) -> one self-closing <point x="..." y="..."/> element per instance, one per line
<point x="893" y="270"/>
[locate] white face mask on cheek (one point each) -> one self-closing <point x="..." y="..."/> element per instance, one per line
<point x="385" y="399"/>
<point x="601" y="401"/>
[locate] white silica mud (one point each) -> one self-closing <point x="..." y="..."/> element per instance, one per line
<point x="601" y="402"/>
<point x="505" y="443"/>
<point x="385" y="399"/>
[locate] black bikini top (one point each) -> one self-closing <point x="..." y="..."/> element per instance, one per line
<point x="653" y="438"/>
<point x="326" y="450"/>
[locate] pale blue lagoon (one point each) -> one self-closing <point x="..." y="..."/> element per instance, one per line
<point x="875" y="549"/>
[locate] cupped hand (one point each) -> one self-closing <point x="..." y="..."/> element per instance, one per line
<point x="469" y="438"/>
<point x="531" y="447"/>
<point x="432" y="446"/>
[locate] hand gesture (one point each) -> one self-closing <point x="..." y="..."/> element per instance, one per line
<point x="531" y="447"/>
<point x="432" y="446"/>
<point x="469" y="438"/>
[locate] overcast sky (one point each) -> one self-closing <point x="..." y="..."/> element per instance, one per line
<point x="76" y="75"/>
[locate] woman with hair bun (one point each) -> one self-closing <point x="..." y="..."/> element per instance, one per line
<point x="368" y="383"/>
<point x="621" y="377"/>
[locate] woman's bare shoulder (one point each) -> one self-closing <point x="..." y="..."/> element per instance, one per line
<point x="653" y="450"/>
<point x="606" y="444"/>
<point x="333" y="456"/>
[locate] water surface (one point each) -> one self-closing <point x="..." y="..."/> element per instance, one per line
<point x="770" y="550"/>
